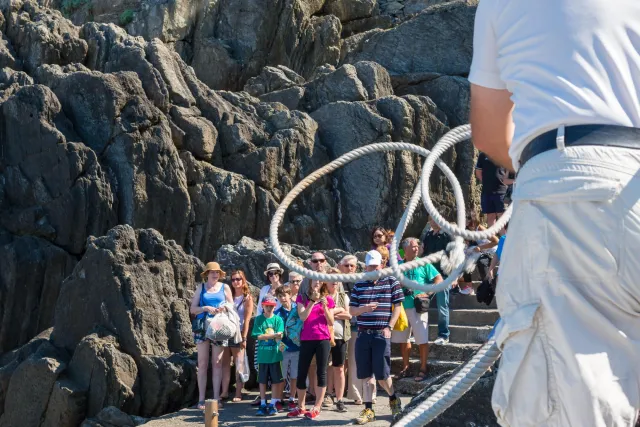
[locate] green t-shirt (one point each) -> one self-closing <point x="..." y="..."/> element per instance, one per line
<point x="268" y="351"/>
<point x="423" y="275"/>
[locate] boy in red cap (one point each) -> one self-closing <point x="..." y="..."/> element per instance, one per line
<point x="268" y="330"/>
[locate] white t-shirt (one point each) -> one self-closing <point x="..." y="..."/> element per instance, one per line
<point x="566" y="62"/>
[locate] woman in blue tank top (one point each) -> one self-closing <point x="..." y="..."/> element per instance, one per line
<point x="207" y="301"/>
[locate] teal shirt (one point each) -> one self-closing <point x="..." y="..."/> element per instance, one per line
<point x="423" y="275"/>
<point x="268" y="351"/>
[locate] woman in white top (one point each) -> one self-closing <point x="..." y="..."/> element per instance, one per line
<point x="274" y="275"/>
<point x="243" y="303"/>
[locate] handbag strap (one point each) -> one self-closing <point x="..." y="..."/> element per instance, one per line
<point x="202" y="296"/>
<point x="241" y="302"/>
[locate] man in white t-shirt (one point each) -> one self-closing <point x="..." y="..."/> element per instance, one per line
<point x="556" y="96"/>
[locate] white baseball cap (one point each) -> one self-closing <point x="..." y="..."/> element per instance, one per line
<point x="373" y="258"/>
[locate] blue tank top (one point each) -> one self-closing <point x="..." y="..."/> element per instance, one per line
<point x="215" y="299"/>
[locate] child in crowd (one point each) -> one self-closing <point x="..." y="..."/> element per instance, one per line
<point x="291" y="352"/>
<point x="268" y="330"/>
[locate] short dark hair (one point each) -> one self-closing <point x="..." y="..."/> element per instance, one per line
<point x="282" y="291"/>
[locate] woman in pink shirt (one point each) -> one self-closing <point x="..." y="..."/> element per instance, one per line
<point x="315" y="309"/>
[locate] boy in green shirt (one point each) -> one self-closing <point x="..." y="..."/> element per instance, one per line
<point x="268" y="329"/>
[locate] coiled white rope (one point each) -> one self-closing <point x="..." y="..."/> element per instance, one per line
<point x="453" y="261"/>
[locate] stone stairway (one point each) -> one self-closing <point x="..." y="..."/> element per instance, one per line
<point x="470" y="323"/>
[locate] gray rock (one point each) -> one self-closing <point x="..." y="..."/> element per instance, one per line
<point x="348" y="10"/>
<point x="168" y="383"/>
<point x="67" y="405"/>
<point x="107" y="376"/>
<point x="417" y="6"/>
<point x="168" y="20"/>
<point x="9" y="77"/>
<point x="32" y="382"/>
<point x="290" y="97"/>
<point x="199" y="134"/>
<point x="374" y="78"/>
<point x="132" y="282"/>
<point x="165" y="62"/>
<point x="110" y="417"/>
<point x="30" y="279"/>
<point x="230" y="195"/>
<point x="113" y="116"/>
<point x="393" y="7"/>
<point x="272" y="79"/>
<point x="450" y="93"/>
<point x="42" y="36"/>
<point x="365" y="24"/>
<point x="473" y="409"/>
<point x="437" y="40"/>
<point x="52" y="188"/>
<point x="111" y="49"/>
<point x="281" y="33"/>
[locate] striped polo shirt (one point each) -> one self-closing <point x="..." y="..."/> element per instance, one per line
<point x="386" y="292"/>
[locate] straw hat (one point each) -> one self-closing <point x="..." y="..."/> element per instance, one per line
<point x="212" y="266"/>
<point x="274" y="266"/>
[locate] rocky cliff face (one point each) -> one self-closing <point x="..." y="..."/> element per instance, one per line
<point x="128" y="153"/>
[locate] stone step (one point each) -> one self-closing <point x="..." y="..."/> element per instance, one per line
<point x="467" y="317"/>
<point x="463" y="334"/>
<point x="450" y="352"/>
<point x="465" y="302"/>
<point x="436" y="367"/>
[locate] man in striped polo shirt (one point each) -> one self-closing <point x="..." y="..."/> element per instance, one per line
<point x="377" y="304"/>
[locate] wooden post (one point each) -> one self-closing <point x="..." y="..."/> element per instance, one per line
<point x="211" y="413"/>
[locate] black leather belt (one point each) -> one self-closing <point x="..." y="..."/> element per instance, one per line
<point x="606" y="135"/>
<point x="371" y="331"/>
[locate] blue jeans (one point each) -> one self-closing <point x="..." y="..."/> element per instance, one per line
<point x="442" y="299"/>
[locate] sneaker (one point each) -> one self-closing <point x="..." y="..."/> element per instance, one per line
<point x="292" y="405"/>
<point x="441" y="341"/>
<point x="327" y="402"/>
<point x="340" y="406"/>
<point x="467" y="291"/>
<point x="312" y="414"/>
<point x="262" y="410"/>
<point x="297" y="412"/>
<point x="272" y="410"/>
<point x="366" y="416"/>
<point x="396" y="406"/>
<point x="279" y="406"/>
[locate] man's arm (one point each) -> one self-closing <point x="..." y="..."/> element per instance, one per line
<point x="491" y="123"/>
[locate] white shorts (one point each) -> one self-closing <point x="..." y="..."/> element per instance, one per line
<point x="418" y="324"/>
<point x="290" y="364"/>
<point x="569" y="293"/>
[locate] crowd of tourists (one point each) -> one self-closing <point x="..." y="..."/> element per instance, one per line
<point x="319" y="343"/>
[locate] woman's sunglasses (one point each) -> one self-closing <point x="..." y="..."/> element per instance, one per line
<point x="271" y="274"/>
<point x="236" y="280"/>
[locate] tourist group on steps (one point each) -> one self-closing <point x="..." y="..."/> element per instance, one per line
<point x="318" y="343"/>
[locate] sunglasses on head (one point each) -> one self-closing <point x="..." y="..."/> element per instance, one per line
<point x="273" y="273"/>
<point x="315" y="261"/>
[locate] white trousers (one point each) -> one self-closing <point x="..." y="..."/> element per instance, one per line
<point x="569" y="292"/>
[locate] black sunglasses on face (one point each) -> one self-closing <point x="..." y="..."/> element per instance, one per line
<point x="378" y="235"/>
<point x="236" y="280"/>
<point x="348" y="265"/>
<point x="315" y="261"/>
<point x="270" y="274"/>
<point x="295" y="281"/>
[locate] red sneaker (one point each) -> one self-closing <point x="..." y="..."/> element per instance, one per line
<point x="312" y="414"/>
<point x="279" y="407"/>
<point x="292" y="405"/>
<point x="297" y="412"/>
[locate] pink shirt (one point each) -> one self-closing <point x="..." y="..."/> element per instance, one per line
<point x="315" y="327"/>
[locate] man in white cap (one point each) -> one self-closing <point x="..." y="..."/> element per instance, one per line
<point x="565" y="76"/>
<point x="378" y="305"/>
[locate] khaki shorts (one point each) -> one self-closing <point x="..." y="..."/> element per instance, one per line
<point x="418" y="324"/>
<point x="568" y="292"/>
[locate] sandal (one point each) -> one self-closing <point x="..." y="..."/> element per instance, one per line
<point x="199" y="405"/>
<point x="403" y="374"/>
<point x="237" y="399"/>
<point x="421" y="377"/>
